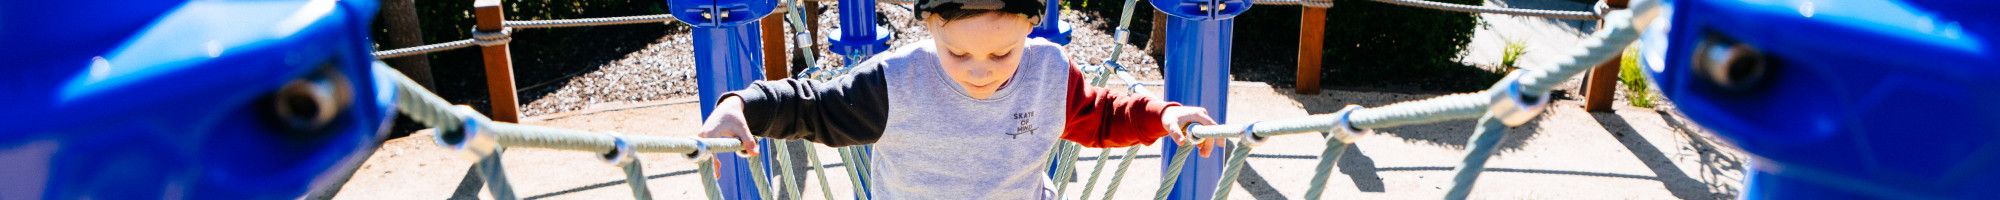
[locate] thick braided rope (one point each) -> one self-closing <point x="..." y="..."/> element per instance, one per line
<point x="1484" y="140"/>
<point x="636" y="177"/>
<point x="1068" y="166"/>
<point x="825" y="191"/>
<point x="853" y="162"/>
<point x="707" y="170"/>
<point x="1231" y="168"/>
<point x="782" y="153"/>
<point x="759" y="177"/>
<point x="1493" y="10"/>
<point x="495" y="176"/>
<point x="560" y="23"/>
<point x="1173" y="173"/>
<point x="1119" y="177"/>
<point x="425" y="49"/>
<point x="1328" y="158"/>
<point x="1103" y="155"/>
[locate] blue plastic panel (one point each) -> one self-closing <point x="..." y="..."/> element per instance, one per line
<point x="1864" y="98"/>
<point x="166" y="99"/>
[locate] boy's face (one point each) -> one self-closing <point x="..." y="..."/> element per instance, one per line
<point x="981" y="52"/>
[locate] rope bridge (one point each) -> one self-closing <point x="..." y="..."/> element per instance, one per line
<point x="1514" y="100"/>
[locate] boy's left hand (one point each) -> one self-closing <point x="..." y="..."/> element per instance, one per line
<point x="1175" y="118"/>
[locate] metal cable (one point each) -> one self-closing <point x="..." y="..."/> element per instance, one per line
<point x="1564" y="14"/>
<point x="420" y="50"/>
<point x="560" y="23"/>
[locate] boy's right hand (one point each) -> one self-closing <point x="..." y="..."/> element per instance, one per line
<point x="726" y="121"/>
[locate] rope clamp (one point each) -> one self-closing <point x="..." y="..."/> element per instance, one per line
<point x="1343" y="127"/>
<point x="701" y="152"/>
<point x="1515" y="107"/>
<point x="493" y="38"/>
<point x="621" y="151"/>
<point x="469" y="139"/>
<point x="1251" y="139"/>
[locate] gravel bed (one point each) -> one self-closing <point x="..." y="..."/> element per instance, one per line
<point x="665" y="68"/>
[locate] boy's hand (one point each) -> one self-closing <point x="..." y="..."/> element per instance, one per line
<point x="1177" y="117"/>
<point x="726" y="121"/>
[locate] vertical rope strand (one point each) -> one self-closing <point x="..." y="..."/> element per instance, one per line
<point x="813" y="156"/>
<point x="1119" y="177"/>
<point x="1103" y="155"/>
<point x="1481" y="147"/>
<point x="707" y="170"/>
<point x="1173" y="171"/>
<point x="496" y="177"/>
<point x="1232" y="168"/>
<point x="759" y="176"/>
<point x="783" y="155"/>
<point x="853" y="165"/>
<point x="1328" y="158"/>
<point x="636" y="177"/>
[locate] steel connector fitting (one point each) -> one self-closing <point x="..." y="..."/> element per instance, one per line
<point x="469" y="139"/>
<point x="1187" y="131"/>
<point x="1343" y="127"/>
<point x="701" y="152"/>
<point x="621" y="151"/>
<point x="1515" y="107"/>
<point x="1251" y="139"/>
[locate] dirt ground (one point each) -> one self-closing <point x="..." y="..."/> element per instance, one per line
<point x="1634" y="153"/>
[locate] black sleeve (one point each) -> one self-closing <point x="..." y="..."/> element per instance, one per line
<point x="848" y="110"/>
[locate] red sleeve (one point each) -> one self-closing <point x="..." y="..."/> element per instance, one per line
<point x="1101" y="118"/>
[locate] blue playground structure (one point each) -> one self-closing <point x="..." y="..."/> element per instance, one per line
<point x="1842" y="99"/>
<point x="283" y="99"/>
<point x="186" y="99"/>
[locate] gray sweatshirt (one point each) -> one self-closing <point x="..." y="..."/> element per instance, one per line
<point x="933" y="141"/>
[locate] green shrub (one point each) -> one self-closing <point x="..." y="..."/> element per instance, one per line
<point x="1635" y="83"/>
<point x="1510" y="55"/>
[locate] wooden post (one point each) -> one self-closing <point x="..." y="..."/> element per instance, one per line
<point x="774" y="46"/>
<point x="1312" y="31"/>
<point x="1156" y="43"/>
<point x="499" y="63"/>
<point x="1602" y="82"/>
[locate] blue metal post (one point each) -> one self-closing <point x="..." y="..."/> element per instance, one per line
<point x="856" y="44"/>
<point x="1052" y="27"/>
<point x="1197" y="74"/>
<point x="727" y="58"/>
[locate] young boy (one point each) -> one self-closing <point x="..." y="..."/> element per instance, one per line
<point x="968" y="114"/>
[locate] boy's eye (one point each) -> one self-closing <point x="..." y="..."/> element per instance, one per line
<point x="1002" y="54"/>
<point x="959" y="54"/>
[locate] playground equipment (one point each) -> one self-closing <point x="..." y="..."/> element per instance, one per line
<point x="199" y="100"/>
<point x="1901" y="107"/>
<point x="128" y="87"/>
